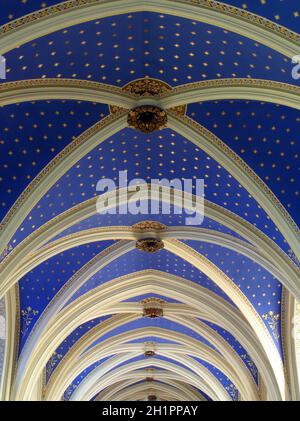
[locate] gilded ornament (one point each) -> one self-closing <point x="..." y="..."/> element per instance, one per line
<point x="147" y="118"/>
<point x="145" y="226"/>
<point x="149" y="354"/>
<point x="273" y="321"/>
<point x="149" y="245"/>
<point x="153" y="307"/>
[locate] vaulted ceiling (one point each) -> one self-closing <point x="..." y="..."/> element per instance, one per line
<point x="80" y="286"/>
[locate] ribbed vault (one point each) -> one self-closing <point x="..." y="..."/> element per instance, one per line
<point x="141" y="304"/>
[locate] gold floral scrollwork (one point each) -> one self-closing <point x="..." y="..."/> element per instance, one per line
<point x="27" y="316"/>
<point x="293" y="257"/>
<point x="5" y="252"/>
<point x="68" y="393"/>
<point x="233" y="392"/>
<point x="250" y="364"/>
<point x="273" y="321"/>
<point x="54" y="359"/>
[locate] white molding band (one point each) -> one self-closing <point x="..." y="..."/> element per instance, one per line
<point x="244" y="305"/>
<point x="58" y="321"/>
<point x="227" y="286"/>
<point x="134" y="376"/>
<point x="105" y="375"/>
<point x="228" y="362"/>
<point x="296" y="333"/>
<point x="195" y="133"/>
<point x="51" y="312"/>
<point x="163" y="351"/>
<point x="68" y="89"/>
<point x="211" y="90"/>
<point x="144" y="390"/>
<point x="289" y="340"/>
<point x="12" y="341"/>
<point x="233" y="89"/>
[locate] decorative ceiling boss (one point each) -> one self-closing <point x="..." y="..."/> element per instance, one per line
<point x="150" y="245"/>
<point x="153" y="307"/>
<point x="147" y="118"/>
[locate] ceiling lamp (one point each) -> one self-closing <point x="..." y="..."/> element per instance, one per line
<point x="149" y="245"/>
<point x="153" y="307"/>
<point x="149" y="354"/>
<point x="147" y="118"/>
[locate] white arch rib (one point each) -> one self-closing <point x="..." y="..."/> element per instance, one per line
<point x="230" y="321"/>
<point x="99" y="302"/>
<point x="139" y="375"/>
<point x="242" y="89"/>
<point x="216" y="89"/>
<point x="164" y="390"/>
<point x="112" y="392"/>
<point x="229" y="363"/>
<point x="68" y="89"/>
<point x="16" y="261"/>
<point x="100" y="378"/>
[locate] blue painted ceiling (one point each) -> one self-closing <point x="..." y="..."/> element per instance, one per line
<point x="40" y="286"/>
<point x="136" y="260"/>
<point x="119" y="49"/>
<point x="32" y="134"/>
<point x="116" y="51"/>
